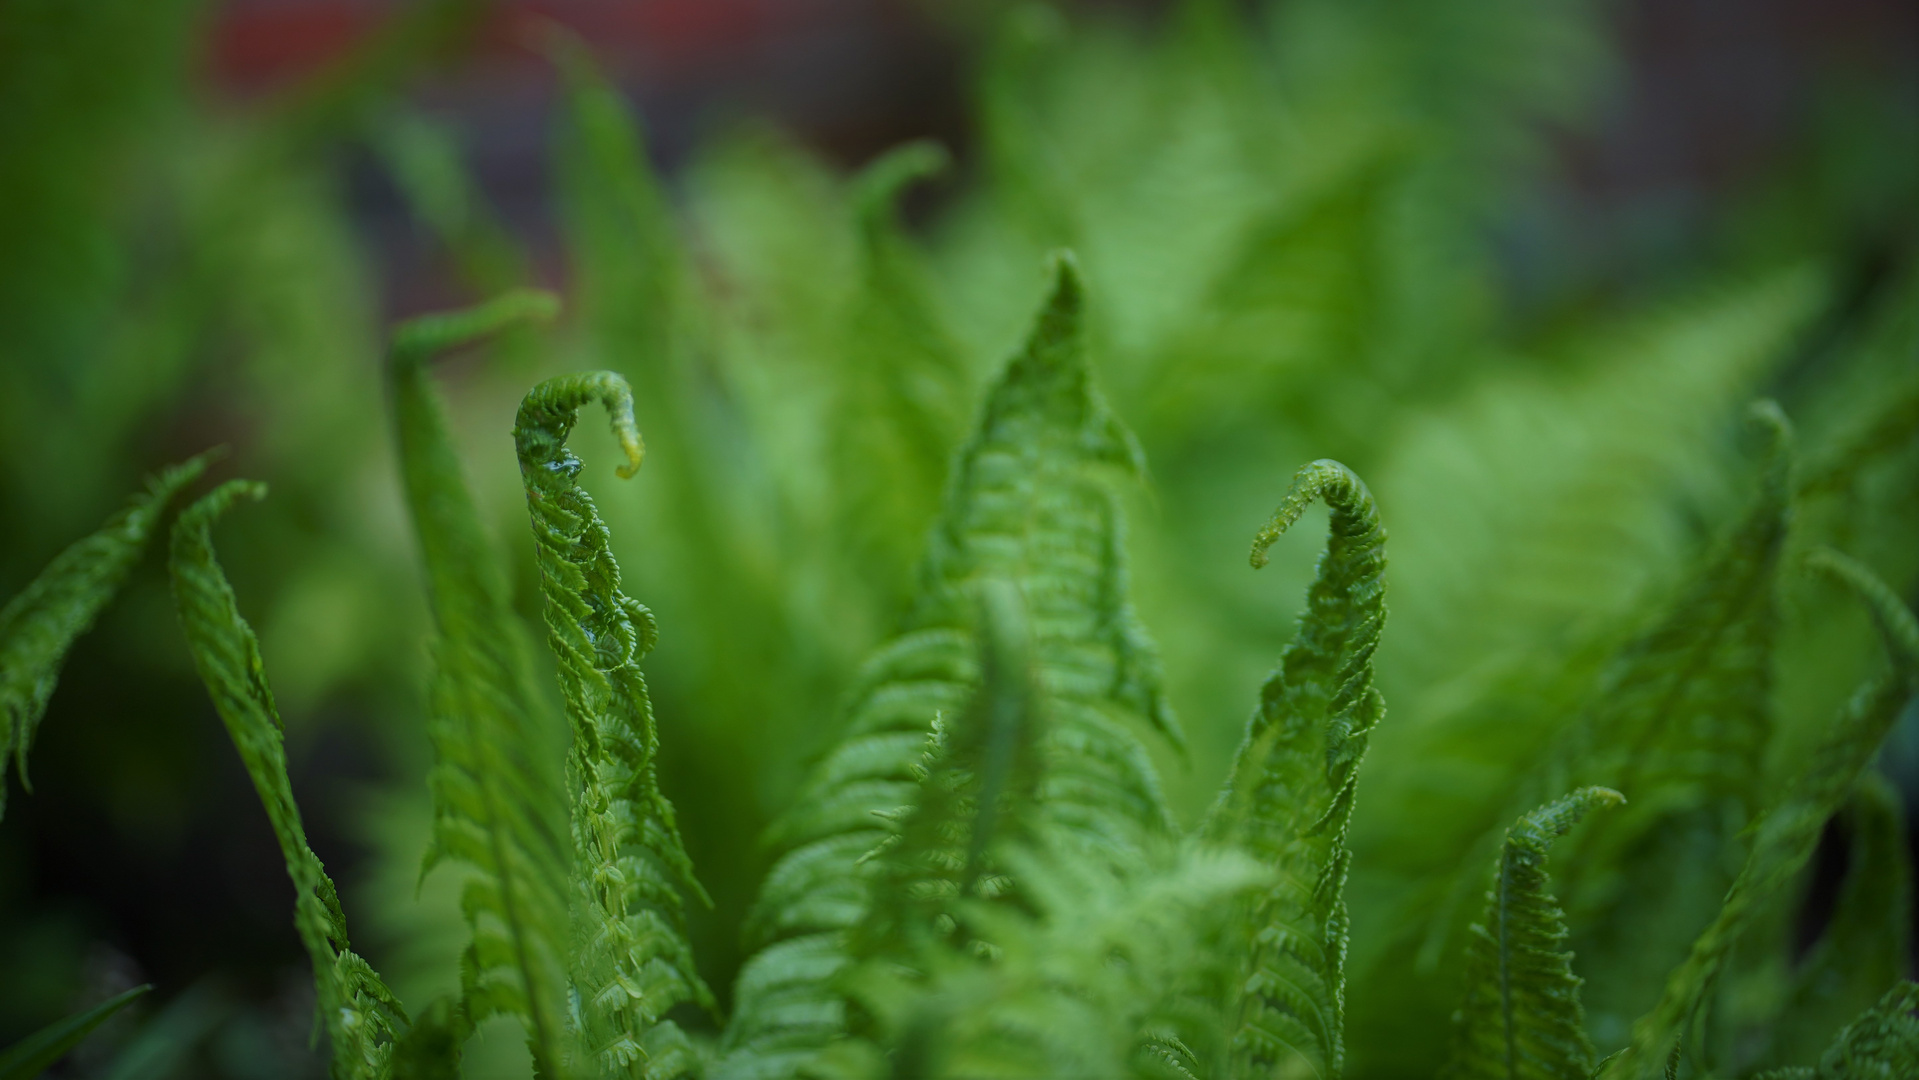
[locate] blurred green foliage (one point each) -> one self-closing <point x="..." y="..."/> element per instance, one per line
<point x="1285" y="215"/>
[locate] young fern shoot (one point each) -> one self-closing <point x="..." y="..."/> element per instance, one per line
<point x="362" y="1017"/>
<point x="499" y="807"/>
<point x="1289" y="796"/>
<point x="1521" y="1018"/>
<point x="631" y="959"/>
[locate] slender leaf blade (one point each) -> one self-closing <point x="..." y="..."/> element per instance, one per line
<point x="39" y="625"/>
<point x="37" y="1052"/>
<point x="361" y="1016"/>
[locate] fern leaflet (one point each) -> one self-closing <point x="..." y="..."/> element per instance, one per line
<point x="39" y="625"/>
<point x="361" y="1016"/>
<point x="632" y="960"/>
<point x="497" y="807"/>
<point x="1882" y="1044"/>
<point x="1289" y="796"/>
<point x="1521" y="1016"/>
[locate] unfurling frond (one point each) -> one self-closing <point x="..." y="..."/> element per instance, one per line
<point x="1869" y="936"/>
<point x="1290" y="793"/>
<point x="498" y="804"/>
<point x="1031" y="503"/>
<point x="1521" y="1018"/>
<point x="1785" y="837"/>
<point x="362" y="1017"/>
<point x="40" y="624"/>
<point x="1882" y="1044"/>
<point x="632" y="961"/>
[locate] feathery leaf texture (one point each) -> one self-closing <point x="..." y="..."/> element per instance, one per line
<point x="1882" y="1044"/>
<point x="1786" y="836"/>
<point x="38" y="1052"/>
<point x="1521" y="1018"/>
<point x="1079" y="971"/>
<point x="1289" y="796"/>
<point x="39" y="625"/>
<point x="632" y="961"/>
<point x="1030" y="502"/>
<point x="976" y="790"/>
<point x="499" y="805"/>
<point x="362" y="1017"/>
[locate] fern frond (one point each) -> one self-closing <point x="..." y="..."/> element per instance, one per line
<point x="498" y="806"/>
<point x="362" y="1017"/>
<point x="1680" y="724"/>
<point x="1785" y="838"/>
<point x="1030" y="502"/>
<point x="1883" y="1043"/>
<point x="1868" y="940"/>
<point x="39" y="625"/>
<point x="1289" y="796"/>
<point x="1521" y="1016"/>
<point x="633" y="962"/>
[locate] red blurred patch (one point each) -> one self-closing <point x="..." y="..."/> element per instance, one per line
<point x="262" y="44"/>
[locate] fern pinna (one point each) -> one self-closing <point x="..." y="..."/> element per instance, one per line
<point x="982" y="877"/>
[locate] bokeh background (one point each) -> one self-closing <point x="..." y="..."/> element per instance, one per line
<point x="1519" y="263"/>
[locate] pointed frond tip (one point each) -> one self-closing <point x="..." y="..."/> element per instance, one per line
<point x="882" y="183"/>
<point x="550" y="410"/>
<point x="41" y="623"/>
<point x="420" y="339"/>
<point x="1061" y="320"/>
<point x="1346" y="496"/>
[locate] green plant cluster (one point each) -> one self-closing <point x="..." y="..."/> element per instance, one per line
<point x="910" y="789"/>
